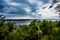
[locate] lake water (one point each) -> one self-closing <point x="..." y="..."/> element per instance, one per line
<point x="19" y="21"/>
<point x="26" y="21"/>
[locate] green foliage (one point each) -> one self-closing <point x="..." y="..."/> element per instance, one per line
<point x="37" y="30"/>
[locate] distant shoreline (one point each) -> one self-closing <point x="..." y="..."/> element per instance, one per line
<point x="28" y="19"/>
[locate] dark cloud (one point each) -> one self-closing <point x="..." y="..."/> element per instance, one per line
<point x="1" y="7"/>
<point x="14" y="10"/>
<point x="5" y="8"/>
<point x="1" y="1"/>
<point x="19" y="11"/>
<point x="45" y="1"/>
<point x="21" y="1"/>
<point x="51" y="6"/>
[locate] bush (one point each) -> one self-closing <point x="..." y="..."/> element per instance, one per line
<point x="37" y="30"/>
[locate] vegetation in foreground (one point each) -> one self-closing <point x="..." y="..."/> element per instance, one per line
<point x="46" y="30"/>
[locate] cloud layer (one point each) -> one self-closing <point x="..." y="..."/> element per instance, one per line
<point x="27" y="9"/>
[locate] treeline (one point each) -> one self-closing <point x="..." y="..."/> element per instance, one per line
<point x="36" y="30"/>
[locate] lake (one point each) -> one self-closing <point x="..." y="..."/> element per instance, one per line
<point x="26" y="21"/>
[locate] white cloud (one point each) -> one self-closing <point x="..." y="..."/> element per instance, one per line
<point x="38" y="3"/>
<point x="32" y="1"/>
<point x="9" y="9"/>
<point x="17" y="17"/>
<point x="23" y="17"/>
<point x="44" y="13"/>
<point x="27" y="9"/>
<point x="47" y="12"/>
<point x="9" y="2"/>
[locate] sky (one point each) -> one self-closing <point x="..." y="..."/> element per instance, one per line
<point x="28" y="9"/>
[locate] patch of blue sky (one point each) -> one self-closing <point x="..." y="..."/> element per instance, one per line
<point x="45" y="1"/>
